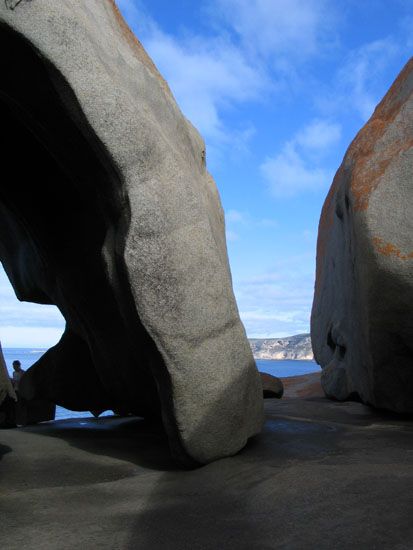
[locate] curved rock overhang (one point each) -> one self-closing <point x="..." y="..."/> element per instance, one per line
<point x="61" y="212"/>
<point x="112" y="215"/>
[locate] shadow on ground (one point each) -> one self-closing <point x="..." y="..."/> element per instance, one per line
<point x="130" y="439"/>
<point x="322" y="475"/>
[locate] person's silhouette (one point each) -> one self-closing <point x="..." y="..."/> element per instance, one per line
<point x="8" y="397"/>
<point x="17" y="374"/>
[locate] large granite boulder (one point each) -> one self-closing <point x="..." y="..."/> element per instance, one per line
<point x="362" y="317"/>
<point x="110" y="214"/>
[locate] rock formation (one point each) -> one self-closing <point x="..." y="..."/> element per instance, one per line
<point x="297" y="347"/>
<point x="8" y="397"/>
<point x="272" y="386"/>
<point x="110" y="214"/>
<point x="6" y="387"/>
<point x="362" y="317"/>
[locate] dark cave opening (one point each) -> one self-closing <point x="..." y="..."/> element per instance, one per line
<point x="59" y="192"/>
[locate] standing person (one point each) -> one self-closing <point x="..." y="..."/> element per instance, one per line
<point x="17" y="374"/>
<point x="8" y="397"/>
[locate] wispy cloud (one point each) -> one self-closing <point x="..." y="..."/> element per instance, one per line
<point x="318" y="136"/>
<point x="406" y="27"/>
<point x="208" y="74"/>
<point x="233" y="220"/>
<point x="310" y="236"/>
<point x="205" y="77"/>
<point x="131" y="9"/>
<point x="235" y="216"/>
<point x="13" y="336"/>
<point x="293" y="29"/>
<point x="16" y="313"/>
<point x="231" y="235"/>
<point x="298" y="167"/>
<point x="278" y="302"/>
<point x="362" y="79"/>
<point x="236" y="221"/>
<point x="267" y="222"/>
<point x="251" y="51"/>
<point x="24" y="323"/>
<point x="364" y="67"/>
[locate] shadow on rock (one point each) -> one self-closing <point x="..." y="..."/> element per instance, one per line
<point x="130" y="439"/>
<point x="4" y="449"/>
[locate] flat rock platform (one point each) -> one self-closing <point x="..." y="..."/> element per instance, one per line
<point x="323" y="475"/>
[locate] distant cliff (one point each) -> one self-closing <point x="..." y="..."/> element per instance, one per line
<point x="296" y="347"/>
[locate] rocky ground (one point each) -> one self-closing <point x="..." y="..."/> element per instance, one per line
<point x="323" y="475"/>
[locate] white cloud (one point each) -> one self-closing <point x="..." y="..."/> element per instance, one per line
<point x="233" y="220"/>
<point x="293" y="28"/>
<point x="207" y="74"/>
<point x="29" y="337"/>
<point x="360" y="76"/>
<point x="24" y="324"/>
<point x="268" y="222"/>
<point x="278" y="303"/>
<point x="288" y="174"/>
<point x="251" y="52"/>
<point x="310" y="236"/>
<point x="130" y="8"/>
<point x="297" y="167"/>
<point x="362" y="79"/>
<point x="205" y="77"/>
<point x="406" y="28"/>
<point x="231" y="235"/>
<point x="319" y="135"/>
<point x="234" y="216"/>
<point x="236" y="221"/>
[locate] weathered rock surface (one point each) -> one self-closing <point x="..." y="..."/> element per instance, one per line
<point x="297" y="347"/>
<point x="362" y="317"/>
<point x="112" y="216"/>
<point x="271" y="386"/>
<point x="322" y="475"/>
<point x="6" y="387"/>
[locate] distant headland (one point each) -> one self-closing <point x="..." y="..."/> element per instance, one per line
<point x="297" y="347"/>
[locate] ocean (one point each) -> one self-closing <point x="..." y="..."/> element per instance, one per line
<point x="284" y="368"/>
<point x="29" y="356"/>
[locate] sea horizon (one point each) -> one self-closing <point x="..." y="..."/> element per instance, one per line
<point x="282" y="368"/>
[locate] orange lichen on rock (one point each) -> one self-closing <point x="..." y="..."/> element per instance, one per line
<point x="366" y="178"/>
<point x="138" y="48"/>
<point x="365" y="170"/>
<point x="303" y="386"/>
<point x="389" y="249"/>
<point x="391" y="103"/>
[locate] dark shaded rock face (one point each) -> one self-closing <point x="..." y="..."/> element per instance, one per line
<point x="110" y="214"/>
<point x="271" y="386"/>
<point x="6" y="387"/>
<point x="362" y="318"/>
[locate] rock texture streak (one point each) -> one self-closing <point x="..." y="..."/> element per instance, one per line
<point x="110" y="214"/>
<point x="296" y="347"/>
<point x="362" y="317"/>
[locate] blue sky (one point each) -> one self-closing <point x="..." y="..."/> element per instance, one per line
<point x="278" y="89"/>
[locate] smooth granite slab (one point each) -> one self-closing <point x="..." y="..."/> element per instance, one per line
<point x="323" y="475"/>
